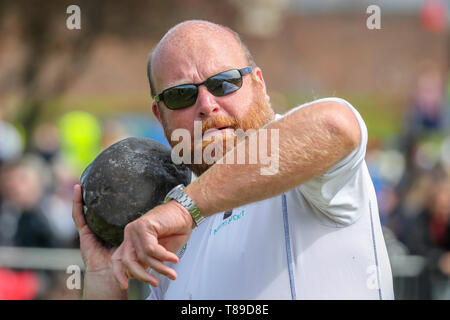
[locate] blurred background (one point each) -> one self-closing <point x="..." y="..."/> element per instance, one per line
<point x="65" y="95"/>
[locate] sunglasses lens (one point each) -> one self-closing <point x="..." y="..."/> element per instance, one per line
<point x="180" y="97"/>
<point x="183" y="96"/>
<point x="224" y="83"/>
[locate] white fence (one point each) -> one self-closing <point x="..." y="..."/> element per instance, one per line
<point x="40" y="258"/>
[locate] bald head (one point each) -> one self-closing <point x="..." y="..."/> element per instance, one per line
<point x="188" y="44"/>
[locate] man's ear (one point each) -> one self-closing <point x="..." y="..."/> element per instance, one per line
<point x="156" y="112"/>
<point x="260" y="80"/>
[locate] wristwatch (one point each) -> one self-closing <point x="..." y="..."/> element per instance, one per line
<point x="182" y="198"/>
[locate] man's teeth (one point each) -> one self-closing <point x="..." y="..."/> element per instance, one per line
<point x="213" y="131"/>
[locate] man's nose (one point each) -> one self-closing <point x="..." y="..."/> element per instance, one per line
<point x="206" y="103"/>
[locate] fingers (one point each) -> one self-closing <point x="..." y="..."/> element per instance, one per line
<point x="118" y="269"/>
<point x="124" y="266"/>
<point x="159" y="267"/>
<point x="77" y="207"/>
<point x="146" y="245"/>
<point x="151" y="248"/>
<point x="126" y="263"/>
<point x="135" y="269"/>
<point x="150" y="253"/>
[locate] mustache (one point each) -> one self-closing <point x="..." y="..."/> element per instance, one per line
<point x="219" y="122"/>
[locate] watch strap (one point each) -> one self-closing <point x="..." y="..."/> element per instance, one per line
<point x="182" y="198"/>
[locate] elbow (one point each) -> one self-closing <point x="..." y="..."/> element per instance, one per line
<point x="342" y="126"/>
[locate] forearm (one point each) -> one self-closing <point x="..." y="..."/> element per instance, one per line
<point x="102" y="286"/>
<point x="310" y="142"/>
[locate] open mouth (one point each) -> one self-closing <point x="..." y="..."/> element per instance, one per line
<point x="217" y="131"/>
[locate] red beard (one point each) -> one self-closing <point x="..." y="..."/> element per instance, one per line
<point x="258" y="115"/>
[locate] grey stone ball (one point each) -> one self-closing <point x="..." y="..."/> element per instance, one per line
<point x="125" y="181"/>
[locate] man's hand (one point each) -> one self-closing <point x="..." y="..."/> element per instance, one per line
<point x="95" y="256"/>
<point x="151" y="240"/>
<point x="99" y="280"/>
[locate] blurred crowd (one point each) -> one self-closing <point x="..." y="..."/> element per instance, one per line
<point x="410" y="174"/>
<point x="35" y="208"/>
<point x="411" y="177"/>
<point x="37" y="175"/>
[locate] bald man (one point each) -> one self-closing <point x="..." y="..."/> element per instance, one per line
<point x="308" y="229"/>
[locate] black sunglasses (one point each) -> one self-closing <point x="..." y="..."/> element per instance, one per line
<point x="221" y="84"/>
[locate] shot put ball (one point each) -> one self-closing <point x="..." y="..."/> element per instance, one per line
<point x="125" y="181"/>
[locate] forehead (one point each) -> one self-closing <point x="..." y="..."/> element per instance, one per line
<point x="195" y="54"/>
